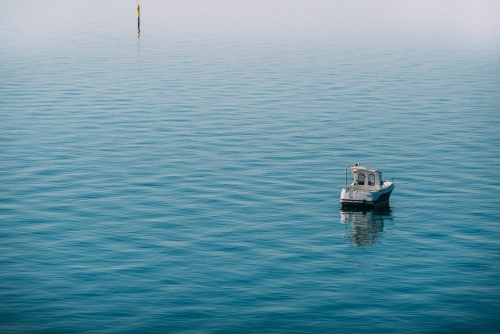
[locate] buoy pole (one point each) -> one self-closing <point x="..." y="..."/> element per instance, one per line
<point x="138" y="18"/>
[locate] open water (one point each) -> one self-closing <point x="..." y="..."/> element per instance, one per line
<point x="186" y="179"/>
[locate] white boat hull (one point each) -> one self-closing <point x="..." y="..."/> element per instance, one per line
<point x="351" y="196"/>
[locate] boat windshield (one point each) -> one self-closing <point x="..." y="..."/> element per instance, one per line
<point x="371" y="179"/>
<point x="361" y="179"/>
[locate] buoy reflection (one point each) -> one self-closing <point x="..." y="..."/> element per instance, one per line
<point x="364" y="228"/>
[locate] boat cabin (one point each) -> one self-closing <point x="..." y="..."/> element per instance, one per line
<point x="363" y="178"/>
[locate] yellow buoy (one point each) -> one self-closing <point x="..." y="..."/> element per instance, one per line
<point x="138" y="18"/>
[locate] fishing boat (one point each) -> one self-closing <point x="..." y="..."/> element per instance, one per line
<point x="367" y="188"/>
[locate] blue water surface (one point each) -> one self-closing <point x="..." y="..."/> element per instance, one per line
<point x="186" y="179"/>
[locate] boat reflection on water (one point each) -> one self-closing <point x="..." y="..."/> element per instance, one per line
<point x="364" y="228"/>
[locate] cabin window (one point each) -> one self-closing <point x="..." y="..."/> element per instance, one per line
<point x="371" y="179"/>
<point x="361" y="179"/>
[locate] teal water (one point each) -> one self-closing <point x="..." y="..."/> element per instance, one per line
<point x="187" y="179"/>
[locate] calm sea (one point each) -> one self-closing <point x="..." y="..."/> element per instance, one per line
<point x="186" y="179"/>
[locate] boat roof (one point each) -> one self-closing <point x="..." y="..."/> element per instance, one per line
<point x="357" y="168"/>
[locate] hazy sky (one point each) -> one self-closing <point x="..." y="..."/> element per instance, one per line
<point x="464" y="17"/>
<point x="61" y="19"/>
